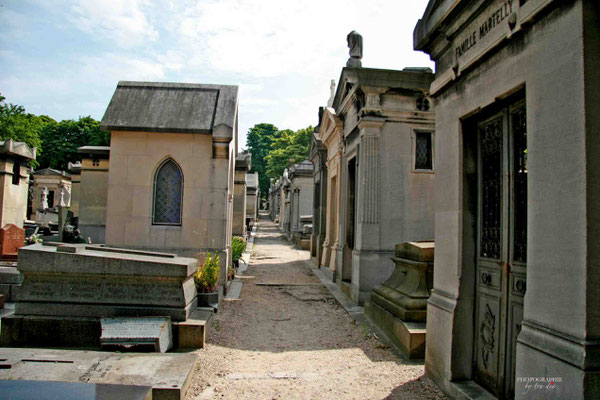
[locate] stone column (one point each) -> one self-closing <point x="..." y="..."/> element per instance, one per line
<point x="368" y="194"/>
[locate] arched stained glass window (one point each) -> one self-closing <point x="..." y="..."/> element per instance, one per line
<point x="168" y="194"/>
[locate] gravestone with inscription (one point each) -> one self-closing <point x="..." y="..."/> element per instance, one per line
<point x="93" y="281"/>
<point x="70" y="287"/>
<point x="137" y="334"/>
<point x="11" y="238"/>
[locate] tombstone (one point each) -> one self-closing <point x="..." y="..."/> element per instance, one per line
<point x="67" y="288"/>
<point x="11" y="238"/>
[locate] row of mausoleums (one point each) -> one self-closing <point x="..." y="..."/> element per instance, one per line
<point x="291" y="199"/>
<point x="166" y="183"/>
<point x="509" y="125"/>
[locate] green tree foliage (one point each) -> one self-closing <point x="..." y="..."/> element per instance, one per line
<point x="20" y="126"/>
<point x="288" y="149"/>
<point x="259" y="140"/>
<point x="61" y="140"/>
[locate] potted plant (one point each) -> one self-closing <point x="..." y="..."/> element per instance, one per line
<point x="238" y="246"/>
<point x="206" y="279"/>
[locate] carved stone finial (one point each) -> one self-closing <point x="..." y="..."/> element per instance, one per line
<point x="354" y="40"/>
<point x="332" y="93"/>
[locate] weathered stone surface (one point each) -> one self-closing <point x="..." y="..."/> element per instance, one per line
<point x="84" y="391"/>
<point x="11" y="239"/>
<point x="98" y="283"/>
<point x="168" y="374"/>
<point x="170" y="107"/>
<point x="10" y="275"/>
<point x="136" y="334"/>
<point x="409" y="337"/>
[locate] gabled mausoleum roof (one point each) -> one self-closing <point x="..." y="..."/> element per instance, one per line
<point x="171" y="107"/>
<point x="51" y="172"/>
<point x="17" y="149"/>
<point x="409" y="78"/>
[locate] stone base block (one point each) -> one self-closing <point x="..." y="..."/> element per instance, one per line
<point x="408" y="336"/>
<point x="101" y="310"/>
<point x="551" y="365"/>
<point x="48" y="331"/>
<point x="21" y="331"/>
<point x="304" y="244"/>
<point x="191" y="334"/>
<point x="169" y="374"/>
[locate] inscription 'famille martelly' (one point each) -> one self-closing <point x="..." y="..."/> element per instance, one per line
<point x="499" y="15"/>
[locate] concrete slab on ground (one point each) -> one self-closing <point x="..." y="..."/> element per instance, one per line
<point x="235" y="289"/>
<point x="167" y="374"/>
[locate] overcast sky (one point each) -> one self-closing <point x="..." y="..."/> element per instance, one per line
<point x="63" y="58"/>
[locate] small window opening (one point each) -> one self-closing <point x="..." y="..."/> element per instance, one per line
<point x="95" y="162"/>
<point x="16" y="178"/>
<point x="168" y="194"/>
<point x="423" y="151"/>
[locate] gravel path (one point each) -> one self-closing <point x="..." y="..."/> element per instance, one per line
<point x="288" y="338"/>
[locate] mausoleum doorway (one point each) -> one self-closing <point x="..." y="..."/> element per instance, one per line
<point x="495" y="167"/>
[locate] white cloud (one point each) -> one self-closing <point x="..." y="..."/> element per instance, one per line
<point x="124" y="22"/>
<point x="113" y="67"/>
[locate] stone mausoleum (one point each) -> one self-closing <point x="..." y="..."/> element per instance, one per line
<point x="514" y="309"/>
<point x="93" y="188"/>
<point x="14" y="181"/>
<point x="387" y="169"/>
<point x="172" y="160"/>
<point x="243" y="162"/>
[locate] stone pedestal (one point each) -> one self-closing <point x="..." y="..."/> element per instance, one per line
<point x="398" y="306"/>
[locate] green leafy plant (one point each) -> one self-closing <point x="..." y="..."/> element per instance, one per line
<point x="207" y="276"/>
<point x="33" y="239"/>
<point x="238" y="246"/>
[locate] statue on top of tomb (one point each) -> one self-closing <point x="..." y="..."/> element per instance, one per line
<point x="354" y="40"/>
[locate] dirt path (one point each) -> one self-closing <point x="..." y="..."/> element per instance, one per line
<point x="287" y="338"/>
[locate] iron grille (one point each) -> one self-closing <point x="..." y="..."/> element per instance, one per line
<point x="423" y="157"/>
<point x="491" y="187"/>
<point x="168" y="190"/>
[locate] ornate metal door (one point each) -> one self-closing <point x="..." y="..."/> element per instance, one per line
<point x="502" y="247"/>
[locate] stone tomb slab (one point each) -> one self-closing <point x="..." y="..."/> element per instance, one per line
<point x="40" y="390"/>
<point x="168" y="374"/>
<point x="136" y="334"/>
<point x="92" y="283"/>
<point x="11" y="239"/>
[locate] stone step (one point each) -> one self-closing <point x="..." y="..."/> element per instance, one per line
<point x="191" y="333"/>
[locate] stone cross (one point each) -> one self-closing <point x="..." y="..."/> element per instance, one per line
<point x="354" y="40"/>
<point x="44" y="204"/>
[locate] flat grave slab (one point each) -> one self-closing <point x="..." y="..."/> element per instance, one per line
<point x="136" y="334"/>
<point x="40" y="390"/>
<point x="168" y="374"/>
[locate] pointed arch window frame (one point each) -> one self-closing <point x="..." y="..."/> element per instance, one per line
<point x="154" y="193"/>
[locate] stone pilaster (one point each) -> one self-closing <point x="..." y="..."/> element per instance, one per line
<point x="370" y="129"/>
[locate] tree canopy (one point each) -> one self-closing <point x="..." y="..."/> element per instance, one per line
<point x="288" y="149"/>
<point x="61" y="140"/>
<point x="259" y="140"/>
<point x="56" y="142"/>
<point x="20" y="126"/>
<point x="274" y="150"/>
